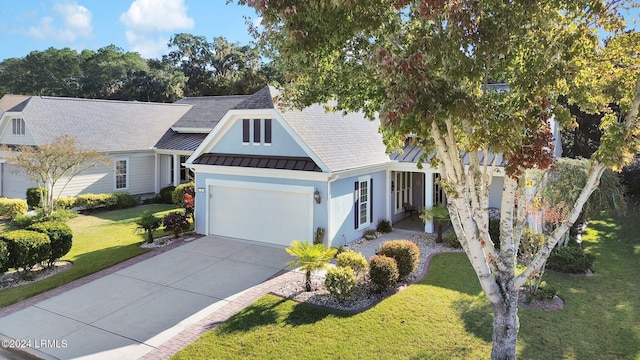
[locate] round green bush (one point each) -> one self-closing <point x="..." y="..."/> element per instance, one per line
<point x="65" y="202"/>
<point x="177" y="196"/>
<point x="451" y="239"/>
<point x="355" y="260"/>
<point x="570" y="259"/>
<point x="27" y="248"/>
<point x="124" y="200"/>
<point x="165" y="194"/>
<point x="404" y="252"/>
<point x="12" y="208"/>
<point x="384" y="226"/>
<point x="340" y="281"/>
<point x="34" y="196"/>
<point x="383" y="271"/>
<point x="4" y="257"/>
<point x="60" y="235"/>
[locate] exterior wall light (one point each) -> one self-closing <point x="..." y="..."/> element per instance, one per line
<point x="317" y="197"/>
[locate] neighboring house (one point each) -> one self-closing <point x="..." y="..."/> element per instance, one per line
<point x="261" y="172"/>
<point x="125" y="132"/>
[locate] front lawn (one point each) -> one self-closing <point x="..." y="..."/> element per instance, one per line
<point x="100" y="240"/>
<point x="446" y="316"/>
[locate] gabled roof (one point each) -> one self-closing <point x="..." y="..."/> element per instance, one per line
<point x="341" y="141"/>
<point x="103" y="125"/>
<point x="207" y="111"/>
<point x="11" y="102"/>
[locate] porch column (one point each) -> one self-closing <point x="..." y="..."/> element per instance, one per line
<point x="428" y="199"/>
<point x="156" y="164"/>
<point x="176" y="169"/>
<point x="387" y="190"/>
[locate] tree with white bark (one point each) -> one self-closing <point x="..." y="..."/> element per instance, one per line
<point x="429" y="68"/>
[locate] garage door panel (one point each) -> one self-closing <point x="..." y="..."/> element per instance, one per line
<point x="265" y="215"/>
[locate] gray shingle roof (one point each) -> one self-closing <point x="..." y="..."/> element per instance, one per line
<point x="342" y="142"/>
<point x="11" y="102"/>
<point x="207" y="111"/>
<point x="103" y="125"/>
<point x="263" y="99"/>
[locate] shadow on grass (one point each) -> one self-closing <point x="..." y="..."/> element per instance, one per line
<point x="260" y="313"/>
<point x="83" y="265"/>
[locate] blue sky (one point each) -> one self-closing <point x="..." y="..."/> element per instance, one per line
<point x="144" y="26"/>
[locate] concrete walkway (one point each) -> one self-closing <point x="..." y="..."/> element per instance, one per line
<point x="129" y="313"/>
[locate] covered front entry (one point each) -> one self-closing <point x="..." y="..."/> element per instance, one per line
<point x="270" y="213"/>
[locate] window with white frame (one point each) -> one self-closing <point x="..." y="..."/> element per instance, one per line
<point x="121" y="172"/>
<point x="256" y="131"/>
<point x="18" y="126"/>
<point x="363" y="202"/>
<point x="403" y="190"/>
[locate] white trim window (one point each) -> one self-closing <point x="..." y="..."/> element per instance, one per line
<point x="121" y="174"/>
<point x="363" y="194"/>
<point x="18" y="126"/>
<point x="257" y="132"/>
<point x="403" y="190"/>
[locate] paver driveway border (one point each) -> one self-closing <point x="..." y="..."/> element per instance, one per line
<point x="227" y="299"/>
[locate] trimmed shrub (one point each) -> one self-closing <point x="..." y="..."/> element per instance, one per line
<point x="12" y="208"/>
<point x="175" y="223"/>
<point x="384" y="226"/>
<point x="34" y="196"/>
<point x="340" y="281"/>
<point x="27" y="248"/>
<point x="94" y="201"/>
<point x="60" y="235"/>
<point x="65" y="202"/>
<point x="177" y="196"/>
<point x="4" y="257"/>
<point x="165" y="194"/>
<point x="570" y="259"/>
<point x="124" y="200"/>
<point x="404" y="252"/>
<point x="451" y="239"/>
<point x="60" y="215"/>
<point x="355" y="260"/>
<point x="383" y="271"/>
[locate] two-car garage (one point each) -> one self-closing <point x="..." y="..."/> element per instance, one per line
<point x="270" y="213"/>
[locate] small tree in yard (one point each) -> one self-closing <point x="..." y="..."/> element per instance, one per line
<point x="427" y="68"/>
<point x="309" y="257"/>
<point x="148" y="223"/>
<point x="47" y="164"/>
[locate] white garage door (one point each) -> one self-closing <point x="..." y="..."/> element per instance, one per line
<point x="275" y="214"/>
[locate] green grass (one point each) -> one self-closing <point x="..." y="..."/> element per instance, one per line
<point x="100" y="240"/>
<point x="446" y="316"/>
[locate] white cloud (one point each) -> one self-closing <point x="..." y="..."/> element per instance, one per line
<point x="148" y="21"/>
<point x="146" y="46"/>
<point x="68" y="22"/>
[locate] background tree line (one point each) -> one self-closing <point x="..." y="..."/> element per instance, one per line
<point x="194" y="66"/>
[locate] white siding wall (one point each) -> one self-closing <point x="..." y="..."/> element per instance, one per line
<point x="15" y="185"/>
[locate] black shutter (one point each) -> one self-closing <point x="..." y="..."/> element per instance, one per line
<point x="356" y="205"/>
<point x="256" y="131"/>
<point x="245" y="130"/>
<point x="267" y="131"/>
<point x="371" y="201"/>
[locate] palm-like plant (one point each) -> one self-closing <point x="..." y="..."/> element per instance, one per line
<point x="439" y="214"/>
<point x="310" y="257"/>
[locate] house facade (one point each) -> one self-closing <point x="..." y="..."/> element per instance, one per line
<point x="261" y="172"/>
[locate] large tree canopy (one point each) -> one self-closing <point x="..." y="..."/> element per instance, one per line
<point x="431" y="68"/>
<point x="194" y="66"/>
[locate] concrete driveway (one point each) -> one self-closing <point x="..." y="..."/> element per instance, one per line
<point x="128" y="313"/>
